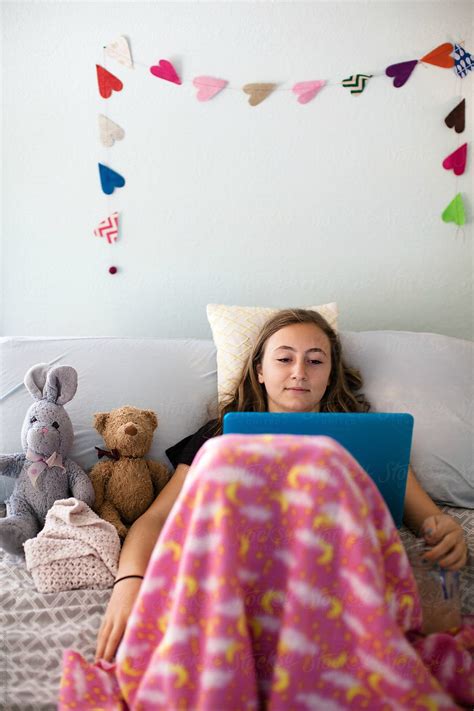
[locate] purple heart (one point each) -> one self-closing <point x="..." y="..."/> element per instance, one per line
<point x="401" y="72"/>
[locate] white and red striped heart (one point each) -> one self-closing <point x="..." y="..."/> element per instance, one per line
<point x="108" y="228"/>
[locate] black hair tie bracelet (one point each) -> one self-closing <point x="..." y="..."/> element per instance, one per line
<point x="125" y="578"/>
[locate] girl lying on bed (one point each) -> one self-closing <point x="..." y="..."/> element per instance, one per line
<point x="279" y="579"/>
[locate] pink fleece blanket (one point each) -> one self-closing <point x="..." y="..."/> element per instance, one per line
<point x="278" y="582"/>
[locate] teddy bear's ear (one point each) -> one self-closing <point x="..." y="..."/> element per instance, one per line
<point x="100" y="418"/>
<point x="150" y="415"/>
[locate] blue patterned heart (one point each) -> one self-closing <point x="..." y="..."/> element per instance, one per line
<point x="463" y="61"/>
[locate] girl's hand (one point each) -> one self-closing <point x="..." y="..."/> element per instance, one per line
<point x="446" y="537"/>
<point x="116" y="616"/>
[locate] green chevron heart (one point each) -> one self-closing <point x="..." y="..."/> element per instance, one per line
<point x="356" y="83"/>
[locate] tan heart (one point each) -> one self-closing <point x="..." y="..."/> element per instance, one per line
<point x="258" y="92"/>
<point x="109" y="131"/>
<point x="120" y="51"/>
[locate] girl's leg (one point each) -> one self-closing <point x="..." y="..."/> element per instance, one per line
<point x="279" y="581"/>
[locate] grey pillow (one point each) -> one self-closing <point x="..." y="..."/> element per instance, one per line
<point x="431" y="377"/>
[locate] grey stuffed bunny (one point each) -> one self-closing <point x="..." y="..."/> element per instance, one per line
<point x="45" y="473"/>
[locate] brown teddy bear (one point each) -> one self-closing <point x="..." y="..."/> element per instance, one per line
<point x="126" y="485"/>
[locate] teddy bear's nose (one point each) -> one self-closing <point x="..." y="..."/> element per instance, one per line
<point x="131" y="430"/>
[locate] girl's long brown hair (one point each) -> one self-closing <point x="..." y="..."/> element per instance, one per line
<point x="344" y="382"/>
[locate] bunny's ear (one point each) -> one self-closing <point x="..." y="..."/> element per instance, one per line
<point x="61" y="384"/>
<point x="100" y="418"/>
<point x="35" y="379"/>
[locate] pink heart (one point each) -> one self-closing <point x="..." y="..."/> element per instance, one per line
<point x="457" y="160"/>
<point x="165" y="70"/>
<point x="307" y="90"/>
<point x="208" y="87"/>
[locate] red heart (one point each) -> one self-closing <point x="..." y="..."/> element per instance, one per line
<point x="107" y="82"/>
<point x="165" y="70"/>
<point x="440" y="56"/>
<point x="456" y="161"/>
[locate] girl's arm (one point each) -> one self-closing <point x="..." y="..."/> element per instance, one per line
<point x="418" y="505"/>
<point x="442" y="533"/>
<point x="134" y="558"/>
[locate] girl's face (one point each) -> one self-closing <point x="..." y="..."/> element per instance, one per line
<point x="295" y="368"/>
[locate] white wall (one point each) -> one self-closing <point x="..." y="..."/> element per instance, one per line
<point x="281" y="204"/>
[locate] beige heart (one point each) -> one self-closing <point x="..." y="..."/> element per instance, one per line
<point x="258" y="92"/>
<point x="120" y="51"/>
<point x="109" y="131"/>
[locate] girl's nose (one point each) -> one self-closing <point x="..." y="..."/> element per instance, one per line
<point x="299" y="371"/>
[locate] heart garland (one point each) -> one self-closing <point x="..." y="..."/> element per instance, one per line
<point x="208" y="86"/>
<point x="456" y="161"/>
<point x="445" y="56"/>
<point x="110" y="132"/>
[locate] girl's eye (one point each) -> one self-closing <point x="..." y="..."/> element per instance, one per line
<point x="33" y="419"/>
<point x="283" y="360"/>
<point x="56" y="425"/>
<point x="313" y="362"/>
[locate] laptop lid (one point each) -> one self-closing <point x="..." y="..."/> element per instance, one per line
<point x="380" y="442"/>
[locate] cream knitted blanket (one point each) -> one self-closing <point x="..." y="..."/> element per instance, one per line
<point x="76" y="549"/>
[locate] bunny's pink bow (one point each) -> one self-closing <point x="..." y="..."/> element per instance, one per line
<point x="40" y="464"/>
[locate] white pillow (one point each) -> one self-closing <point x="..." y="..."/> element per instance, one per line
<point x="429" y="376"/>
<point x="235" y="330"/>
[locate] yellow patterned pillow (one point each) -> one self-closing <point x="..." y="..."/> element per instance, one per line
<point x="235" y="329"/>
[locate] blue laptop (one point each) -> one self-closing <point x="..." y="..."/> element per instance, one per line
<point x="380" y="442"/>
